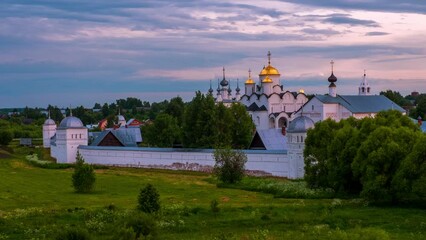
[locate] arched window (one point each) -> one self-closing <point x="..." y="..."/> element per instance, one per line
<point x="313" y="107"/>
<point x="297" y="138"/>
<point x="368" y="90"/>
<point x="301" y="138"/>
<point x="363" y="89"/>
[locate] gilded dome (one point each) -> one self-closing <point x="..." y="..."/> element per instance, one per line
<point x="267" y="79"/>
<point x="71" y="122"/>
<point x="250" y="81"/>
<point x="269" y="70"/>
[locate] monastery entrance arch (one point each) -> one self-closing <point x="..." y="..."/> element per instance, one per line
<point x="282" y="122"/>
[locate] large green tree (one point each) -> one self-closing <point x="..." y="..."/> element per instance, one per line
<point x="360" y="156"/>
<point x="164" y="132"/>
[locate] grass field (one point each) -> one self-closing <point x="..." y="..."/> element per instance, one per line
<point x="37" y="203"/>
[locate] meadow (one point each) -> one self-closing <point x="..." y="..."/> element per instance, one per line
<point x="40" y="203"/>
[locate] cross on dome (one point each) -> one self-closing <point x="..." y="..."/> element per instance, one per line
<point x="269" y="57"/>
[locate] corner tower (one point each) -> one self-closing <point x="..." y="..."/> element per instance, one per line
<point x="49" y="130"/>
<point x="70" y="134"/>
<point x="296" y="136"/>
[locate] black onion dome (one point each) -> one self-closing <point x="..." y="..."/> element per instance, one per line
<point x="224" y="82"/>
<point x="332" y="78"/>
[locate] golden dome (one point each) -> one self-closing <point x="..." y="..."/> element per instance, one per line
<point x="269" y="70"/>
<point x="250" y="81"/>
<point x="267" y="79"/>
<point x="301" y="90"/>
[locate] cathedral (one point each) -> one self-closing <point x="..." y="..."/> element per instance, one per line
<point x="270" y="105"/>
<point x="273" y="108"/>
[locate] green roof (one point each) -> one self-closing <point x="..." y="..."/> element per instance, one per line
<point x="361" y="103"/>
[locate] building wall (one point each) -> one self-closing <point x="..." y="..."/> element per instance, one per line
<point x="275" y="163"/>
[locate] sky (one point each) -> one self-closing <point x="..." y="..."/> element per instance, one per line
<point x="72" y="53"/>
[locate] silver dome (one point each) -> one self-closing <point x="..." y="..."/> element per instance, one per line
<point x="121" y="118"/>
<point x="49" y="122"/>
<point x="71" y="122"/>
<point x="300" y="124"/>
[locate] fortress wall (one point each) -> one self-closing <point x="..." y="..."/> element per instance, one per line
<point x="260" y="162"/>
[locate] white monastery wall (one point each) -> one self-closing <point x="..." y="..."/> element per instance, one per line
<point x="275" y="163"/>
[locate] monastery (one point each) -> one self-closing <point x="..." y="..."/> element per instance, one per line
<point x="282" y="118"/>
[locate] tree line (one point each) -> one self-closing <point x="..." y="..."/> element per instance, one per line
<point x="415" y="104"/>
<point x="200" y="123"/>
<point x="380" y="159"/>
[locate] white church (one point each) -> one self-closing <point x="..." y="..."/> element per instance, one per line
<point x="282" y="119"/>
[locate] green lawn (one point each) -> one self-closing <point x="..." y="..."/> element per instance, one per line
<point x="38" y="203"/>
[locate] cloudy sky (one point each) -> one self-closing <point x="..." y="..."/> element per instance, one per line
<point x="81" y="52"/>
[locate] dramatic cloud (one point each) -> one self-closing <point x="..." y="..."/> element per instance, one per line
<point x="351" y="21"/>
<point x="81" y="52"/>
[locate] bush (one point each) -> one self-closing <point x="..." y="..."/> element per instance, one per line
<point x="73" y="234"/>
<point x="5" y="137"/>
<point x="214" y="206"/>
<point x="149" y="199"/>
<point x="230" y="165"/>
<point x="83" y="178"/>
<point x="143" y="225"/>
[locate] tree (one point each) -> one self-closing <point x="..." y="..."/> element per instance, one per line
<point x="224" y="124"/>
<point x="396" y="97"/>
<point x="411" y="175"/>
<point x="149" y="199"/>
<point x="5" y="137"/>
<point x="378" y="160"/>
<point x="163" y="132"/>
<point x="198" y="117"/>
<point x="359" y="156"/>
<point x="316" y="152"/>
<point x="230" y="165"/>
<point x="243" y="126"/>
<point x="83" y="178"/>
<point x="176" y="108"/>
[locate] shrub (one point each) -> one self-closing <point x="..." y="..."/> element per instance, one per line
<point x="73" y="234"/>
<point x="83" y="178"/>
<point x="5" y="137"/>
<point x="143" y="225"/>
<point x="230" y="165"/>
<point x="124" y="234"/>
<point x="214" y="206"/>
<point x="149" y="199"/>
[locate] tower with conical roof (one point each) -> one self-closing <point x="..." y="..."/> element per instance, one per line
<point x="332" y="79"/>
<point x="364" y="87"/>
<point x="237" y="91"/>
<point x="219" y="94"/>
<point x="224" y="84"/>
<point x="210" y="89"/>
<point x="249" y="85"/>
<point x="229" y="90"/>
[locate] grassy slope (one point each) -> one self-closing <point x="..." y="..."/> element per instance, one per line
<point x="245" y="215"/>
